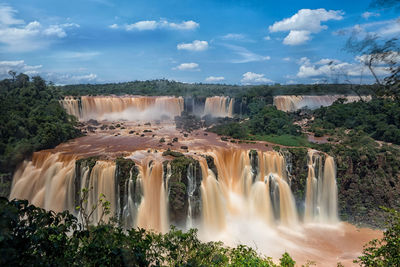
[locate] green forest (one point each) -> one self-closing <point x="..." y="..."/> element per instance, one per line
<point x="31" y="119"/>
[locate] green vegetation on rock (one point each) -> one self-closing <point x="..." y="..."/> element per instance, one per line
<point x="265" y="123"/>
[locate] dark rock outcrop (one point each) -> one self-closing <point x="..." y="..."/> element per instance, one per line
<point x="183" y="186"/>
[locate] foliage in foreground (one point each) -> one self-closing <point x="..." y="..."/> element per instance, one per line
<point x="386" y="251"/>
<point x="30" y="236"/>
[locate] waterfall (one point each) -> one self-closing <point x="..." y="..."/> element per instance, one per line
<point x="250" y="184"/>
<point x="191" y="187"/>
<point x="102" y="181"/>
<point x="132" y="197"/>
<point x="321" y="190"/>
<point x="152" y="211"/>
<point x="291" y="103"/>
<point x="123" y="107"/>
<point x="219" y="106"/>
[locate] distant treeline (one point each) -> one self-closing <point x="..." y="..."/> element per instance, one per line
<point x="166" y="87"/>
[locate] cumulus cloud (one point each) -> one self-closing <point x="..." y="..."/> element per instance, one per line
<point x="193" y="46"/>
<point x="185" y="25"/>
<point x="187" y="66"/>
<point x="286" y="59"/>
<point x="325" y="69"/>
<point x="18" y="66"/>
<point x="367" y="15"/>
<point x="142" y="25"/>
<point x="16" y="35"/>
<point x="304" y="23"/>
<point x="267" y="38"/>
<point x="253" y="78"/>
<point x="297" y="37"/>
<point x="149" y="25"/>
<point x="215" y="78"/>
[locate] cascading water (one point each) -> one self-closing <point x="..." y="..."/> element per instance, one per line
<point x="248" y="183"/>
<point x="292" y="102"/>
<point x="46" y="181"/>
<point x="152" y="211"/>
<point x="191" y="187"/>
<point x="248" y="199"/>
<point x="219" y="106"/>
<point x="123" y="107"/>
<point x="321" y="190"/>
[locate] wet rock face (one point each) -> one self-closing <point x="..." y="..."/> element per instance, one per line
<point x="183" y="189"/>
<point x="253" y="155"/>
<point x="211" y="165"/>
<point x="125" y="170"/>
<point x="80" y="165"/>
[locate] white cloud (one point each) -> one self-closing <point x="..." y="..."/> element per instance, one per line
<point x="18" y="66"/>
<point x="335" y="69"/>
<point x="297" y="37"/>
<point x="193" y="46"/>
<point x="55" y="30"/>
<point x="187" y="66"/>
<point x="267" y="38"/>
<point x="379" y="59"/>
<point x="142" y="25"/>
<point x="149" y="25"/>
<point x="19" y="36"/>
<point x="367" y="15"/>
<point x="75" y="78"/>
<point x="185" y="25"/>
<point x="215" y="78"/>
<point x="7" y="14"/>
<point x="392" y="28"/>
<point x="245" y="55"/>
<point x="286" y="59"/>
<point x="326" y="61"/>
<point x="385" y="28"/>
<point x="305" y="22"/>
<point x="252" y="78"/>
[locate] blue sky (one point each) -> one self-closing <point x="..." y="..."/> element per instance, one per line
<point x="234" y="42"/>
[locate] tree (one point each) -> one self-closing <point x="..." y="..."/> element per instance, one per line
<point x="378" y="55"/>
<point x="386" y="251"/>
